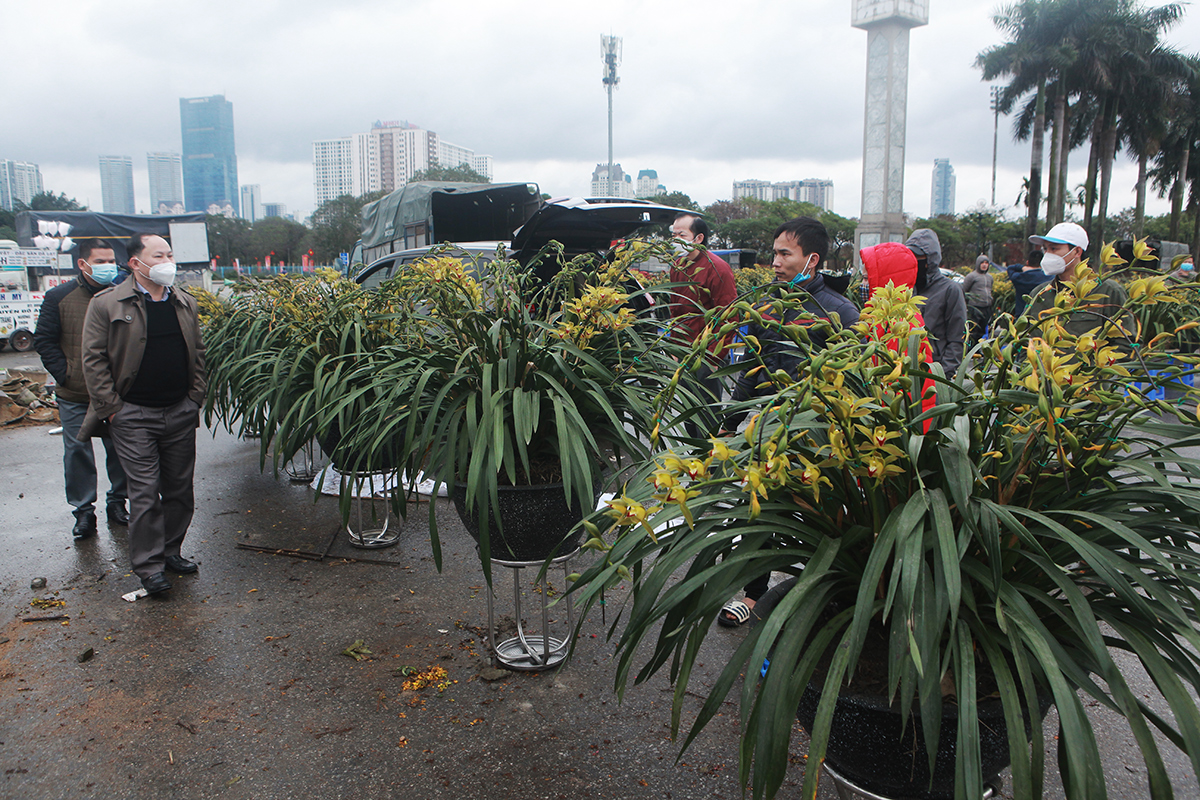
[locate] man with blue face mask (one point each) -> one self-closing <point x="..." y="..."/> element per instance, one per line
<point x="58" y="339"/>
<point x="143" y="360"/>
<point x="801" y="245"/>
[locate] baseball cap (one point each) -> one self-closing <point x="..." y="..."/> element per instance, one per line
<point x="1063" y="233"/>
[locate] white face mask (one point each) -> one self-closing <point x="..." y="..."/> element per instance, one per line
<point x="1053" y="264"/>
<point x="163" y="274"/>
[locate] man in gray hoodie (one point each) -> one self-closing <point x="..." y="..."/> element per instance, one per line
<point x="945" y="308"/>
<point x="977" y="286"/>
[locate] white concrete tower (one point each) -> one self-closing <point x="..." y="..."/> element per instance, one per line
<point x="887" y="23"/>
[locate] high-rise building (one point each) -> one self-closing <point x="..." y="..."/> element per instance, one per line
<point x="19" y="180"/>
<point x="344" y="166"/>
<point x="818" y="191"/>
<point x="941" y="198"/>
<point x="484" y="165"/>
<point x="209" y="158"/>
<point x="166" y="183"/>
<point x="274" y="209"/>
<point x="116" y="184"/>
<point x="759" y="190"/>
<point x="252" y="207"/>
<point x="648" y="185"/>
<point x="620" y="185"/>
<point x="385" y="159"/>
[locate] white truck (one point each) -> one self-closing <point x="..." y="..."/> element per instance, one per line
<point x="18" y="305"/>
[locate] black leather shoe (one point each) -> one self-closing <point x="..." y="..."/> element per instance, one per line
<point x="117" y="514"/>
<point x="156" y="583"/>
<point x="180" y="565"/>
<point x="85" y="526"/>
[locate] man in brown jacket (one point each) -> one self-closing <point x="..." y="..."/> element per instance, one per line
<point x="58" y="339"/>
<point x="143" y="361"/>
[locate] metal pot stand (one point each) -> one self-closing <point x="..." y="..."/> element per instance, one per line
<point x="849" y="791"/>
<point x="369" y="538"/>
<point x="525" y="652"/>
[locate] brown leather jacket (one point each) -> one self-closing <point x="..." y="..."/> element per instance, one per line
<point x="114" y="340"/>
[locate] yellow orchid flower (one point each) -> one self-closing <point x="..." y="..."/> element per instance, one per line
<point x="721" y="451"/>
<point x="1109" y="256"/>
<point x="1143" y="251"/>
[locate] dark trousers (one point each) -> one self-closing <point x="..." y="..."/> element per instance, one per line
<point x="707" y="422"/>
<point x="157" y="448"/>
<point x="79" y="463"/>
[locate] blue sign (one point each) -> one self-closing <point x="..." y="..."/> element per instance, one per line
<point x="344" y="259"/>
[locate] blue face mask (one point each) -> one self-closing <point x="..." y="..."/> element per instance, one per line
<point x="801" y="276"/>
<point x="1188" y="266"/>
<point x="103" y="274"/>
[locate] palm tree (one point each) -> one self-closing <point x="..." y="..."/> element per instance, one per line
<point x="1028" y="59"/>
<point x="1171" y="169"/>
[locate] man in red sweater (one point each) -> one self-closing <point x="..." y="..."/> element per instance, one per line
<point x="704" y="281"/>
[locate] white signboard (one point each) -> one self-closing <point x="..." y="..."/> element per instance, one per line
<point x="19" y="311"/>
<point x="189" y="242"/>
<point x="20" y="259"/>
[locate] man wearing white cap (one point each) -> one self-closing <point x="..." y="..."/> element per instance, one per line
<point x="1063" y="248"/>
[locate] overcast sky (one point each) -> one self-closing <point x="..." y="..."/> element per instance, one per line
<point x="710" y="92"/>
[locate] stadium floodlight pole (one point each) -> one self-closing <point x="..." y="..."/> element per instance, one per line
<point x="995" y="136"/>
<point x="610" y="53"/>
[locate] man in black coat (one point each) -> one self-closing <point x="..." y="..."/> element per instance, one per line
<point x="801" y="245"/>
<point x="58" y="339"/>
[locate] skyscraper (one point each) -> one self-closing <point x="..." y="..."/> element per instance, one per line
<point x="941" y="199"/>
<point x="385" y="159"/>
<point x="252" y="210"/>
<point x="166" y="183"/>
<point x="19" y="180"/>
<point x="209" y="159"/>
<point x="116" y="184"/>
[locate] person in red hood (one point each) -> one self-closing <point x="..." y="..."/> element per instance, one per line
<point x="892" y="262"/>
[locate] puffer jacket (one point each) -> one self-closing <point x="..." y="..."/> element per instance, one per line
<point x="945" y="308"/>
<point x="59" y="335"/>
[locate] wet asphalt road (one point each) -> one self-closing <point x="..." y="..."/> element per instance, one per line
<point x="235" y="685"/>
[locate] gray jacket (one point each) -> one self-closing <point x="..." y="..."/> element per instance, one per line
<point x="945" y="308"/>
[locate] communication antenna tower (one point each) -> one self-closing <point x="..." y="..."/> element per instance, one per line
<point x="610" y="53"/>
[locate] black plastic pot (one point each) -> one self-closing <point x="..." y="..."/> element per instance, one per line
<point x="870" y="747"/>
<point x="534" y="522"/>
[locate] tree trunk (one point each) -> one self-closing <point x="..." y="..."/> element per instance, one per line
<point x="1060" y="213"/>
<point x="1089" y="189"/>
<point x="1139" y="209"/>
<point x="1035" y="161"/>
<point x="1107" y="156"/>
<point x="1179" y="190"/>
<point x="1054" y="183"/>
<point x="1195" y="248"/>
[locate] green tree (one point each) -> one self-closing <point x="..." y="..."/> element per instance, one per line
<point x="337" y="225"/>
<point x="460" y="174"/>
<point x="228" y="239"/>
<point x="8" y="224"/>
<point x="280" y="239"/>
<point x="676" y="200"/>
<point x="49" y="201"/>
